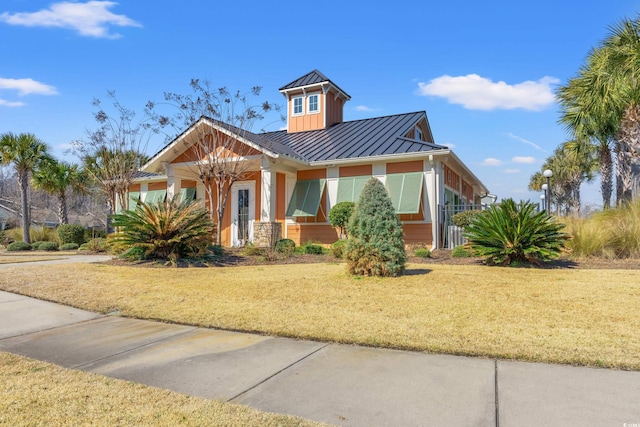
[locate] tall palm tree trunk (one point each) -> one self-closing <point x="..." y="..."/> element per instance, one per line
<point x="63" y="218"/>
<point x="23" y="182"/>
<point x="606" y="175"/>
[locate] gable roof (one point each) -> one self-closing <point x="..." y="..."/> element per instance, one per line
<point x="358" y="139"/>
<point x="312" y="78"/>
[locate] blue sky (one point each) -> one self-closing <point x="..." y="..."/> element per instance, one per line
<point x="485" y="72"/>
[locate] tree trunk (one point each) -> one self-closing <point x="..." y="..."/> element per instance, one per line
<point x="606" y="175"/>
<point x="63" y="218"/>
<point x="23" y="181"/>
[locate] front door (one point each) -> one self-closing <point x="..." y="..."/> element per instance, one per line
<point x="243" y="210"/>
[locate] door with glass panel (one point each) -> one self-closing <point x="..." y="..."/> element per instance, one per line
<point x="243" y="211"/>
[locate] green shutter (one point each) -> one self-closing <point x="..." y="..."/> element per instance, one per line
<point x="306" y="197"/>
<point x="134" y="197"/>
<point x="155" y="196"/>
<point x="405" y="190"/>
<point x="349" y="188"/>
<point x="187" y="194"/>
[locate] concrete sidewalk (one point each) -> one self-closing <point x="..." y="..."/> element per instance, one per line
<point x="61" y="259"/>
<point x="338" y="384"/>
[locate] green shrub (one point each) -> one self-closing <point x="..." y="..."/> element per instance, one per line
<point x="35" y="246"/>
<point x="311" y="248"/>
<point x="422" y="253"/>
<point x="251" y="250"/>
<point x="511" y="233"/>
<point x="19" y="246"/>
<point x="337" y="249"/>
<point x="95" y="245"/>
<point x="463" y="219"/>
<point x="167" y="230"/>
<point x="48" y="246"/>
<point x="69" y="247"/>
<point x="376" y="240"/>
<point x="134" y="253"/>
<point x="461" y="252"/>
<point x="71" y="233"/>
<point x="285" y="247"/>
<point x="339" y="216"/>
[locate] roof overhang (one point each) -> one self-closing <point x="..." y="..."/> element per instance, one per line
<point x="171" y="151"/>
<point x="325" y="85"/>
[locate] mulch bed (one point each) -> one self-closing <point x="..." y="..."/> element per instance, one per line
<point x="235" y="257"/>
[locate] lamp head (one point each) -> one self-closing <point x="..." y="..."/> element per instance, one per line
<point x="547" y="173"/>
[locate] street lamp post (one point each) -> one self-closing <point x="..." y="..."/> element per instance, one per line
<point x="544" y="187"/>
<point x="544" y="205"/>
<point x="548" y="174"/>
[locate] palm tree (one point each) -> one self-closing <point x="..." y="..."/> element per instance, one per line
<point x="56" y="178"/>
<point x="24" y="152"/>
<point x="603" y="102"/>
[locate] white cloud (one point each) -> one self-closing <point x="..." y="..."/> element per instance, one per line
<point x="523" y="159"/>
<point x="27" y="86"/>
<point x="490" y="161"/>
<point x="479" y="93"/>
<point x="450" y="145"/>
<point x="89" y="19"/>
<point x="5" y="103"/>
<point x="512" y="171"/>
<point x="525" y="141"/>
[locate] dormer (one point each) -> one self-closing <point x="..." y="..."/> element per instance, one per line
<point x="313" y="102"/>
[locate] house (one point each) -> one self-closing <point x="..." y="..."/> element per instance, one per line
<point x="293" y="177"/>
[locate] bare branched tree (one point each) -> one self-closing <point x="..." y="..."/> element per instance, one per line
<point x="219" y="137"/>
<point x="113" y="153"/>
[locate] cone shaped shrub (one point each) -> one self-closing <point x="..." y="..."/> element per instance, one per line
<point x="511" y="233"/>
<point x="376" y="240"/>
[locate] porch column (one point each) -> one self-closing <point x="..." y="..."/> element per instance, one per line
<point x="268" y="190"/>
<point x="171" y="181"/>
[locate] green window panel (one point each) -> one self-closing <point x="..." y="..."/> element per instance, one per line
<point x="155" y="196"/>
<point x="306" y="197"/>
<point x="134" y="198"/>
<point x="405" y="190"/>
<point x="187" y="194"/>
<point x="349" y="188"/>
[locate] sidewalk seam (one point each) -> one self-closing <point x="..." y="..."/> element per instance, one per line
<point x="276" y="373"/>
<point x="99" y="316"/>
<point x="497" y="403"/>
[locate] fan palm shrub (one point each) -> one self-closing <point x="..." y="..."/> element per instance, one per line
<point x="168" y="230"/>
<point x="511" y="233"/>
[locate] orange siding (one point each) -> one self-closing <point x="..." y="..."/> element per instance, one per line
<point x="321" y="233"/>
<point x="281" y="197"/>
<point x="334" y="109"/>
<point x="467" y="191"/>
<point x="134" y="187"/>
<point x="157" y="186"/>
<point x="312" y="174"/>
<point x="187" y="183"/>
<point x="400" y="167"/>
<point x="362" y="170"/>
<point x="417" y="234"/>
<point x="451" y="178"/>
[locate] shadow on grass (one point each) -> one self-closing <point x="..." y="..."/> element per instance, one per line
<point x="416" y="271"/>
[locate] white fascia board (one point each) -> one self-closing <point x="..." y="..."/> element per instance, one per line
<point x="287" y="92"/>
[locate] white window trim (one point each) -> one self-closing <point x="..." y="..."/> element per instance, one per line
<point x="309" y="95"/>
<point x="293" y="106"/>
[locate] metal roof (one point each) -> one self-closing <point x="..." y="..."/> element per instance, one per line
<point x="312" y="78"/>
<point x="378" y="136"/>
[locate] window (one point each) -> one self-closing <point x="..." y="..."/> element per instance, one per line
<point x="306" y="198"/>
<point x="418" y="134"/>
<point x="187" y="194"/>
<point x="313" y="104"/>
<point x="155" y="196"/>
<point x="297" y="106"/>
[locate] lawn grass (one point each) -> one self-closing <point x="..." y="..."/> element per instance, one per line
<point x="34" y="393"/>
<point x="584" y="317"/>
<point x="10" y="259"/>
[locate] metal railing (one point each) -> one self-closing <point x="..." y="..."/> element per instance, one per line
<point x="450" y="235"/>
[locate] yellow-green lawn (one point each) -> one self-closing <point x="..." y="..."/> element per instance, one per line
<point x="34" y="393"/>
<point x="571" y="316"/>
